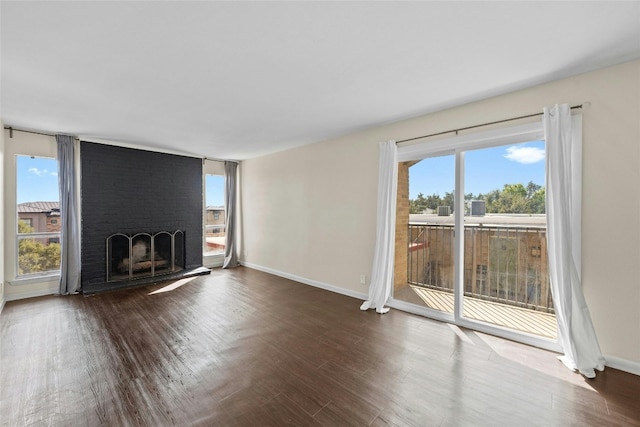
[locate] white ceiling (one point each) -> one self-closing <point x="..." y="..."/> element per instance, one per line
<point x="241" y="79"/>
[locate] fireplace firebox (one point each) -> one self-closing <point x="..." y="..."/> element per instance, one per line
<point x="136" y="256"/>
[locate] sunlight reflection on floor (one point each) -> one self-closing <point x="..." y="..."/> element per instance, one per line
<point x="543" y="361"/>
<point x="173" y="286"/>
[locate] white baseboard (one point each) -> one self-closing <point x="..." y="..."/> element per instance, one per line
<point x="31" y="294"/>
<point x="353" y="294"/>
<point x="623" y="364"/>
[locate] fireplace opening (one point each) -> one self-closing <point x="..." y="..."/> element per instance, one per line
<point x="142" y="255"/>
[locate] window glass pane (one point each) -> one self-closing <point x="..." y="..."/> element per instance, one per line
<point x="505" y="265"/>
<point x="430" y="257"/>
<point x="38" y="215"/>
<point x="215" y="233"/>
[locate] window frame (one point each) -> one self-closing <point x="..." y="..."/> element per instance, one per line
<point x="210" y="167"/>
<point x="50" y="237"/>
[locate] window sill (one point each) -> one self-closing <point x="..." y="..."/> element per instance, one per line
<point x="28" y="280"/>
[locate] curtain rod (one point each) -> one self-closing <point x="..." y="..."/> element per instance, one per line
<point x="575" y="107"/>
<point x="213" y="159"/>
<point x="11" y="129"/>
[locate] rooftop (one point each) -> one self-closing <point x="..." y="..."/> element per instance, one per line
<point x="38" y="207"/>
<point x="488" y="220"/>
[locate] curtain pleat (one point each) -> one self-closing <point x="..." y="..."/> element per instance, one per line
<point x="564" y="198"/>
<point x="69" y="228"/>
<point x="383" y="259"/>
<point x="230" y="251"/>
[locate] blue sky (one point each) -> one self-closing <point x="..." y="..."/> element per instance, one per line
<point x="214" y="190"/>
<point x="485" y="170"/>
<point x="37" y="179"/>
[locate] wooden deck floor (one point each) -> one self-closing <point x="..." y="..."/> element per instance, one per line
<point x="520" y="319"/>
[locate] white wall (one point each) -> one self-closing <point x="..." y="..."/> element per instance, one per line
<point x="309" y="212"/>
<point x="33" y="145"/>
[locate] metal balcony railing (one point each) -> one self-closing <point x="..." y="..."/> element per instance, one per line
<point x="504" y="264"/>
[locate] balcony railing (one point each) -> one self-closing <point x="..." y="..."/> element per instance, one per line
<point x="504" y="264"/>
<point x="215" y="239"/>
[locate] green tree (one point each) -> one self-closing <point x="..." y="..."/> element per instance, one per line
<point x="34" y="255"/>
<point x="516" y="198"/>
<point x="537" y="202"/>
<point x="422" y="203"/>
<point x="513" y="198"/>
<point x="532" y="188"/>
<point x="418" y="205"/>
<point x="448" y="200"/>
<point x="23" y="227"/>
<point x="433" y="201"/>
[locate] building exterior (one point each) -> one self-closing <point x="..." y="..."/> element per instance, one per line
<point x="215" y="238"/>
<point x="44" y="217"/>
<point x="215" y="220"/>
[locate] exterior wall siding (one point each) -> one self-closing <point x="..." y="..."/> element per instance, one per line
<point x="402" y="222"/>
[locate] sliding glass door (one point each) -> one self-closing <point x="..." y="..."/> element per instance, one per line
<point x="476" y="236"/>
<point x="505" y="276"/>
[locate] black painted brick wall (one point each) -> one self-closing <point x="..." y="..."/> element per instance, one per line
<point x="129" y="191"/>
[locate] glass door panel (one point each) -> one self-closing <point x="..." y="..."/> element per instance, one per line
<point x="505" y="278"/>
<point x="430" y="256"/>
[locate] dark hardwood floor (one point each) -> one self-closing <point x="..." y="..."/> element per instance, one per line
<point x="245" y="348"/>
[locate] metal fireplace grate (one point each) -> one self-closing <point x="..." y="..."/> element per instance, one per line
<point x="141" y="255"/>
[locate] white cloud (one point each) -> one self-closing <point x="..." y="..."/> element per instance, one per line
<point x="526" y="155"/>
<point x="38" y="172"/>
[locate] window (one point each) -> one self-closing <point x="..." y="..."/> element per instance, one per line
<point x="38" y="247"/>
<point x="214" y="240"/>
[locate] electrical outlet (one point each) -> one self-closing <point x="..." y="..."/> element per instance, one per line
<point x="363" y="279"/>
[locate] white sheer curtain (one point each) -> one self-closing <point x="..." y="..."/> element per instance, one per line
<point x="564" y="197"/>
<point x="383" y="258"/>
<point x="69" y="228"/>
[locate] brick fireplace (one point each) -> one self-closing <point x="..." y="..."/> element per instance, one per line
<point x="129" y="192"/>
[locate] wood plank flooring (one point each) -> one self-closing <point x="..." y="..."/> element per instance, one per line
<point x="245" y="348"/>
